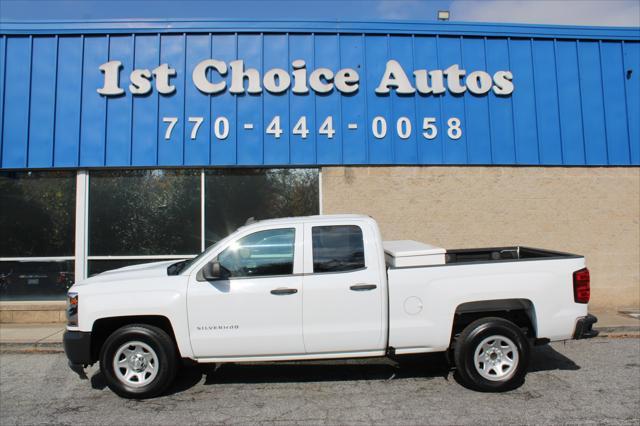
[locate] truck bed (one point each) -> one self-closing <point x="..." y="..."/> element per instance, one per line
<point x="426" y="298"/>
<point x="416" y="254"/>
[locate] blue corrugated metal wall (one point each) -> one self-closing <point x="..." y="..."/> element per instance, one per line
<point x="576" y="101"/>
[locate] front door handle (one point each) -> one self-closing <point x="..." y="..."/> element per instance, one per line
<point x="283" y="291"/>
<point x="363" y="287"/>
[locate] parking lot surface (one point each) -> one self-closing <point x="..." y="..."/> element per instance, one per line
<point x="577" y="382"/>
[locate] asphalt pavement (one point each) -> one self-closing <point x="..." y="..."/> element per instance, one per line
<point x="577" y="382"/>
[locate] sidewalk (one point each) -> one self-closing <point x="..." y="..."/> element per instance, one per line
<point x="31" y="337"/>
<point x="48" y="337"/>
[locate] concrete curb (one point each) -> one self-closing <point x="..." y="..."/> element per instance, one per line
<point x="24" y="347"/>
<point x="619" y="332"/>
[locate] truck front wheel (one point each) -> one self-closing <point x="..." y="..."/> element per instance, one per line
<point x="491" y="355"/>
<point x="138" y="361"/>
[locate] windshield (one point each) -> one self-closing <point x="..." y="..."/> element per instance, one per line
<point x="183" y="265"/>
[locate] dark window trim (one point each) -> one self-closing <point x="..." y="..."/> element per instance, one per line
<point x="363" y="268"/>
<point x="303" y="274"/>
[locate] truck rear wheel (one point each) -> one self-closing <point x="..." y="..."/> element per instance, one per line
<point x="491" y="355"/>
<point x="138" y="361"/>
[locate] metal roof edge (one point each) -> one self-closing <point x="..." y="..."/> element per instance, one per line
<point x="115" y="26"/>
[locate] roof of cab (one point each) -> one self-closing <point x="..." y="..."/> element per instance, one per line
<point x="315" y="218"/>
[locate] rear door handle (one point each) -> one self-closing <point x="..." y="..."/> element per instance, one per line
<point x="363" y="287"/>
<point x="283" y="291"/>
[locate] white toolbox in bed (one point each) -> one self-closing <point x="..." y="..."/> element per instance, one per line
<point x="409" y="253"/>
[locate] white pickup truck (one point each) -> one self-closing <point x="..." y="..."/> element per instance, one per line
<point x="324" y="287"/>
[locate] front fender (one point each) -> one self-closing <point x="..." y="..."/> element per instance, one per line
<point x="118" y="300"/>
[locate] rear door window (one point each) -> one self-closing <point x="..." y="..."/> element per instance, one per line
<point x="337" y="248"/>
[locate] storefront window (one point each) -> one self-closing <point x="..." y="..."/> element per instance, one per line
<point x="144" y="212"/>
<point x="233" y="196"/>
<point x="37" y="234"/>
<point x="37" y="214"/>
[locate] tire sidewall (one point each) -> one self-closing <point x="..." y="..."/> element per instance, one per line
<point x="494" y="327"/>
<point x="152" y="337"/>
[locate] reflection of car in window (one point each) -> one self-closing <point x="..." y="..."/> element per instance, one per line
<point x="46" y="278"/>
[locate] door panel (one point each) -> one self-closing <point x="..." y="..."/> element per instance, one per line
<point x="242" y="317"/>
<point x="342" y="310"/>
<point x="254" y="312"/>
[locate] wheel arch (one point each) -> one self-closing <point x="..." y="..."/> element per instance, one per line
<point x="104" y="327"/>
<point x="519" y="311"/>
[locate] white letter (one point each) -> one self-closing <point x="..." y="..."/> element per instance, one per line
<point x="454" y="73"/>
<point x="279" y="86"/>
<point x="347" y="80"/>
<point x="140" y="82"/>
<point x="200" y="76"/>
<point x="163" y="73"/>
<point x="503" y="83"/>
<point x="422" y="82"/>
<point x="479" y="82"/>
<point x="111" y="85"/>
<point x="238" y="74"/>
<point x="316" y="83"/>
<point x="395" y="76"/>
<point x="299" y="77"/>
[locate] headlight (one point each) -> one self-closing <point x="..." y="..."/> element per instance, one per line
<point x="72" y="309"/>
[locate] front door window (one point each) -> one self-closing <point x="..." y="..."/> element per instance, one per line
<point x="263" y="253"/>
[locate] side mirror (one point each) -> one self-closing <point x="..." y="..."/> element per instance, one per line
<point x="213" y="271"/>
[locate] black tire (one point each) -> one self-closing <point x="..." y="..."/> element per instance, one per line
<point x="161" y="346"/>
<point x="480" y="332"/>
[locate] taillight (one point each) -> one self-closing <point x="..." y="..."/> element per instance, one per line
<point x="581" y="286"/>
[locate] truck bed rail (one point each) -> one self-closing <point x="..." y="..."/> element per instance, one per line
<point x="502" y="254"/>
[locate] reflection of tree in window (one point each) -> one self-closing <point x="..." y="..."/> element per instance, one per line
<point x="144" y="212"/>
<point x="37" y="214"/>
<point x="233" y="196"/>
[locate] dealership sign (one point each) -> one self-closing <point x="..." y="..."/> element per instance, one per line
<point x="209" y="77"/>
<point x="377" y="94"/>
